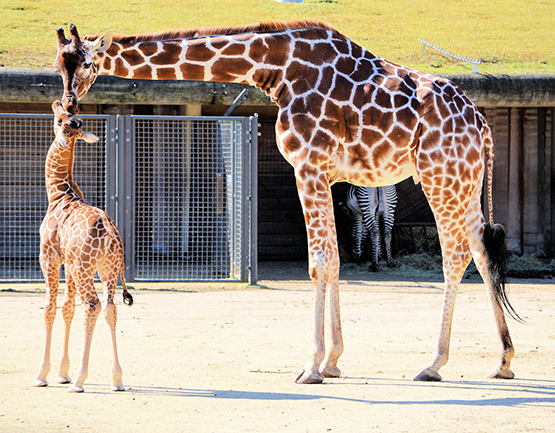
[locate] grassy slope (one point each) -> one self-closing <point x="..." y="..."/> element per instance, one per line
<point x="510" y="36"/>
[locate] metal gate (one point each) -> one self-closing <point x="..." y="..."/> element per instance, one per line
<point x="181" y="189"/>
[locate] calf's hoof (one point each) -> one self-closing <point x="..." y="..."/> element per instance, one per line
<point x="501" y="374"/>
<point x="63" y="379"/>
<point x="74" y="388"/>
<point x="39" y="383"/>
<point x="330" y="372"/>
<point x="309" y="377"/>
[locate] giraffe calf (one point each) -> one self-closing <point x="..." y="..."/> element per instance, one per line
<point x="86" y="241"/>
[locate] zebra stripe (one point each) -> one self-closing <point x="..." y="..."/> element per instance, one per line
<point x="365" y="205"/>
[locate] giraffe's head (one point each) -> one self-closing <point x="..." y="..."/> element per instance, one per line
<point x="67" y="127"/>
<point x="74" y="62"/>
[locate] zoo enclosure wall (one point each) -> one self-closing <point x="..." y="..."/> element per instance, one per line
<point x="519" y="109"/>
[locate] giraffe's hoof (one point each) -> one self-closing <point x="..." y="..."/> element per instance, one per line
<point x="501" y="374"/>
<point x="308" y="378"/>
<point x="39" y="383"/>
<point x="117" y="388"/>
<point x="74" y="388"/>
<point x="63" y="379"/>
<point x="428" y="375"/>
<point x="330" y="372"/>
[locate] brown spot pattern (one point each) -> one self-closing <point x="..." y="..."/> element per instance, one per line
<point x="132" y="57"/>
<point x="169" y="55"/>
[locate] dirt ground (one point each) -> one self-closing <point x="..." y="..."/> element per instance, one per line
<point x="223" y="358"/>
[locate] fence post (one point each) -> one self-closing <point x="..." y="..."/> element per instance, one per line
<point x="254" y="200"/>
<point x="250" y="199"/>
<point x="126" y="191"/>
<point x="112" y="168"/>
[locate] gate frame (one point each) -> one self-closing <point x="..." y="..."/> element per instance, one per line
<point x="120" y="172"/>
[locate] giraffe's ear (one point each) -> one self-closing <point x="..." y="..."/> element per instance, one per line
<point x="102" y="43"/>
<point x="88" y="137"/>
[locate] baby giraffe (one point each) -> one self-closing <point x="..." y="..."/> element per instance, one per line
<point x="86" y="241"/>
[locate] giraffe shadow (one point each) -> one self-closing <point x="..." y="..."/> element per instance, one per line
<point x="531" y="393"/>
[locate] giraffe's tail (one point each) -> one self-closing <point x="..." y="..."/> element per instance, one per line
<point x="127" y="298"/>
<point x="113" y="235"/>
<point x="488" y="143"/>
<point x="497" y="255"/>
<point x="494" y="236"/>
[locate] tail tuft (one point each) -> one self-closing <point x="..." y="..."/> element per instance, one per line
<point x="127" y="298"/>
<point x="497" y="255"/>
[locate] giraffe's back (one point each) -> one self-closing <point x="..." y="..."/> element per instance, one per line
<point x="88" y="235"/>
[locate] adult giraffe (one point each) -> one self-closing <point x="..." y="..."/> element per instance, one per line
<point x="344" y="115"/>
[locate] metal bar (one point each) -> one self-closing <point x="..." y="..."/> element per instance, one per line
<point x="126" y="177"/>
<point x="200" y="118"/>
<point x="245" y="200"/>
<point x="112" y="169"/>
<point x="240" y="100"/>
<point x="254" y="200"/>
<point x="475" y="62"/>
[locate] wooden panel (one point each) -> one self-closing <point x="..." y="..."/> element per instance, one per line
<point x="514" y="193"/>
<point x="552" y="177"/>
<point x="531" y="208"/>
<point x="546" y="245"/>
<point x="543" y="242"/>
<point x="498" y="119"/>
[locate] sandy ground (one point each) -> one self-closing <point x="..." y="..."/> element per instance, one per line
<point x="223" y="358"/>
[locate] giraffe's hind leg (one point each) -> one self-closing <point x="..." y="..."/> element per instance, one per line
<point x="475" y="228"/>
<point x="91" y="311"/>
<point x="109" y="282"/>
<point x="456" y="257"/>
<point x="449" y="209"/>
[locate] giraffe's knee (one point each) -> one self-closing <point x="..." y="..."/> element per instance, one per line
<point x="322" y="266"/>
<point x="316" y="269"/>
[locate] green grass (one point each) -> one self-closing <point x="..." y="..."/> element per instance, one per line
<point x="510" y="36"/>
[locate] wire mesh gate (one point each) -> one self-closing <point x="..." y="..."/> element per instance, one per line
<point x="182" y="190"/>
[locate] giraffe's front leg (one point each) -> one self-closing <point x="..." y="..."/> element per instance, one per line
<point x="68" y="311"/>
<point x="329" y="367"/>
<point x="311" y="372"/>
<point x="50" y="265"/>
<point x="316" y="200"/>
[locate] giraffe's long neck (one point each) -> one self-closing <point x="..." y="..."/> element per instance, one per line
<point x="258" y="59"/>
<point x="59" y="172"/>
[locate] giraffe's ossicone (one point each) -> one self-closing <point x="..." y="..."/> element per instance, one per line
<point x="345" y="114"/>
<point x="85" y="240"/>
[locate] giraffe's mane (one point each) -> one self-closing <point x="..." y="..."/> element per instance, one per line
<point x="208" y="31"/>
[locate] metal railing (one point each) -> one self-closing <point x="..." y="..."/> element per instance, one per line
<point x="474" y="62"/>
<point x="181" y="189"/>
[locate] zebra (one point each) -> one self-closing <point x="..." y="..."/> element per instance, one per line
<point x="365" y="204"/>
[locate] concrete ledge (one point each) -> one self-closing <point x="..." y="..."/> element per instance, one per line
<point x="527" y="90"/>
<point x="44" y="86"/>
